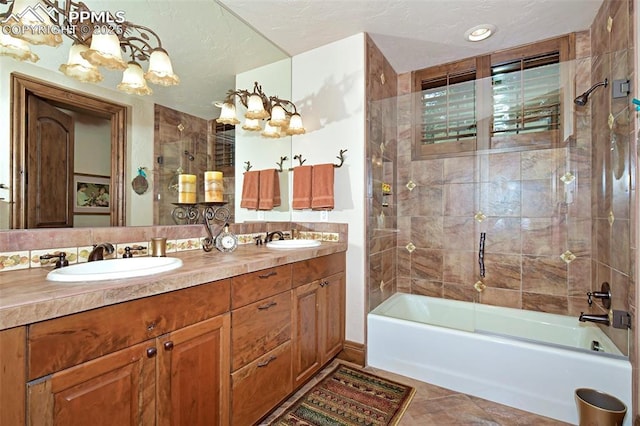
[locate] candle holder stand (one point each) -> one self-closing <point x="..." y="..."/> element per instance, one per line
<point x="185" y="213"/>
<point x="213" y="213"/>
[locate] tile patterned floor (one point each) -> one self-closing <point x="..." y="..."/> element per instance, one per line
<point x="433" y="405"/>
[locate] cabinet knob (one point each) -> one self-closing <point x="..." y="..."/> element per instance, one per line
<point x="168" y="346"/>
<point x="324" y="283"/>
<point x="151" y="352"/>
<point x="267" y="305"/>
<point x="267" y="361"/>
<point x="267" y="275"/>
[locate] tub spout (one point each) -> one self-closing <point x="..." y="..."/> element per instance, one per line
<point x="600" y="319"/>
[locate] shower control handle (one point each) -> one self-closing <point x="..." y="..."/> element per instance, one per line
<point x="604" y="294"/>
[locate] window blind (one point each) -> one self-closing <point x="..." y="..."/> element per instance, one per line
<point x="526" y="95"/>
<point x="224" y="146"/>
<point x="448" y="108"/>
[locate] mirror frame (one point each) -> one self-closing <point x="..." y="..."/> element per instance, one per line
<point x="21" y="86"/>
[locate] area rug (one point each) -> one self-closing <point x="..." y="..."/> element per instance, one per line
<point x="346" y="397"/>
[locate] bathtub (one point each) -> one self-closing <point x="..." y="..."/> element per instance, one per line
<point x="528" y="360"/>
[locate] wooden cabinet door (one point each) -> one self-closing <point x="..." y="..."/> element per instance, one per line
<point x="306" y="331"/>
<point x="193" y="374"/>
<point x="116" y="389"/>
<point x="13" y="376"/>
<point x="333" y="315"/>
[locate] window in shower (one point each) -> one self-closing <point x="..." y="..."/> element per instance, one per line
<point x="223" y="148"/>
<point x="512" y="99"/>
<point x="446" y="108"/>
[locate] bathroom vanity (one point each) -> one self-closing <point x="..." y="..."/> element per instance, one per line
<point x="211" y="343"/>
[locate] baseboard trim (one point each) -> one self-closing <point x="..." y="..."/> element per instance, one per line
<point x="354" y="353"/>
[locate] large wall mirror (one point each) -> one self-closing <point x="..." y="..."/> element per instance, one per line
<point x="117" y="136"/>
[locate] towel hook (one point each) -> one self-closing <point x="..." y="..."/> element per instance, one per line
<point x="248" y="166"/>
<point x="282" y="160"/>
<point x="341" y="158"/>
<point x="299" y="158"/>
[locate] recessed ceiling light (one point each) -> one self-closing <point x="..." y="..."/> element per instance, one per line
<point x="480" y="32"/>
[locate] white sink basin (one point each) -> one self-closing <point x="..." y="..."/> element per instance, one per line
<point x="292" y="244"/>
<point x="113" y="269"/>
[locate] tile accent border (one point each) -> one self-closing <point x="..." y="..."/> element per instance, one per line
<point x="24" y="247"/>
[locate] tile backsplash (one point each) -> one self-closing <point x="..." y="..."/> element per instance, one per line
<point x="22" y="249"/>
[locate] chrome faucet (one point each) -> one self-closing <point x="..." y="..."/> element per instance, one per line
<point x="98" y="251"/>
<point x="270" y="236"/>
<point x="600" y="319"/>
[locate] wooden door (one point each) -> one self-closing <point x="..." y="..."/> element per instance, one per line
<point x="306" y="331"/>
<point x="116" y="389"/>
<point x="193" y="374"/>
<point x="49" y="177"/>
<point x="333" y="313"/>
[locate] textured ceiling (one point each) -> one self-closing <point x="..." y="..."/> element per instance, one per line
<point x="208" y="44"/>
<point x="413" y="34"/>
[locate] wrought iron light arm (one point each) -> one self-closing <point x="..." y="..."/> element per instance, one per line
<point x="282" y="114"/>
<point x="100" y="40"/>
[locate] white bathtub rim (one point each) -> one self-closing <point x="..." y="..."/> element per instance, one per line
<point x="545" y="396"/>
<point x="539" y="316"/>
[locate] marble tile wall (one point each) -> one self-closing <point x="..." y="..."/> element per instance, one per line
<point x="182" y="141"/>
<point x="614" y="159"/>
<point x="381" y="200"/>
<point x="558" y="222"/>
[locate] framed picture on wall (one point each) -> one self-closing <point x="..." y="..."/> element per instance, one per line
<point x="92" y="194"/>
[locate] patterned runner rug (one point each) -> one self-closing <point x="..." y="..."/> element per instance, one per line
<point x="347" y="397"/>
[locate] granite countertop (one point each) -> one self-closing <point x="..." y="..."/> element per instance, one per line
<point x="27" y="297"/>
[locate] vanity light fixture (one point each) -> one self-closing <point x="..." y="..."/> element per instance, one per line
<point x="480" y="32"/>
<point x="282" y="117"/>
<point x="100" y="39"/>
<point x="16" y="48"/>
<point x="133" y="81"/>
<point x="79" y="68"/>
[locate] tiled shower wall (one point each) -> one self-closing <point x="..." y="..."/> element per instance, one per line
<point x="381" y="151"/>
<point x="177" y="132"/>
<point x="614" y="164"/>
<point x="545" y="246"/>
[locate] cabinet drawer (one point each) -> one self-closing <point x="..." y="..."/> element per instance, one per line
<point x="261" y="385"/>
<point x="249" y="288"/>
<point x="320" y="267"/>
<point x="258" y="328"/>
<point x="63" y="342"/>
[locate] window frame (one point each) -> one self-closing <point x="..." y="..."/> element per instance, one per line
<point x="485" y="140"/>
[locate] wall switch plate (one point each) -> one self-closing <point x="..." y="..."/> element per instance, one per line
<point x="260" y="215"/>
<point x="324" y="216"/>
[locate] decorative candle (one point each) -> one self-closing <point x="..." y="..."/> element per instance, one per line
<point x="213" y="187"/>
<point x="187" y="189"/>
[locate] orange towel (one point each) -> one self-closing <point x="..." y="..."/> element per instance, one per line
<point x="250" y="190"/>
<point x="301" y="187"/>
<point x="269" y="189"/>
<point x="322" y="187"/>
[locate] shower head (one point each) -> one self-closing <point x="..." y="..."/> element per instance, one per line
<point x="584" y="98"/>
